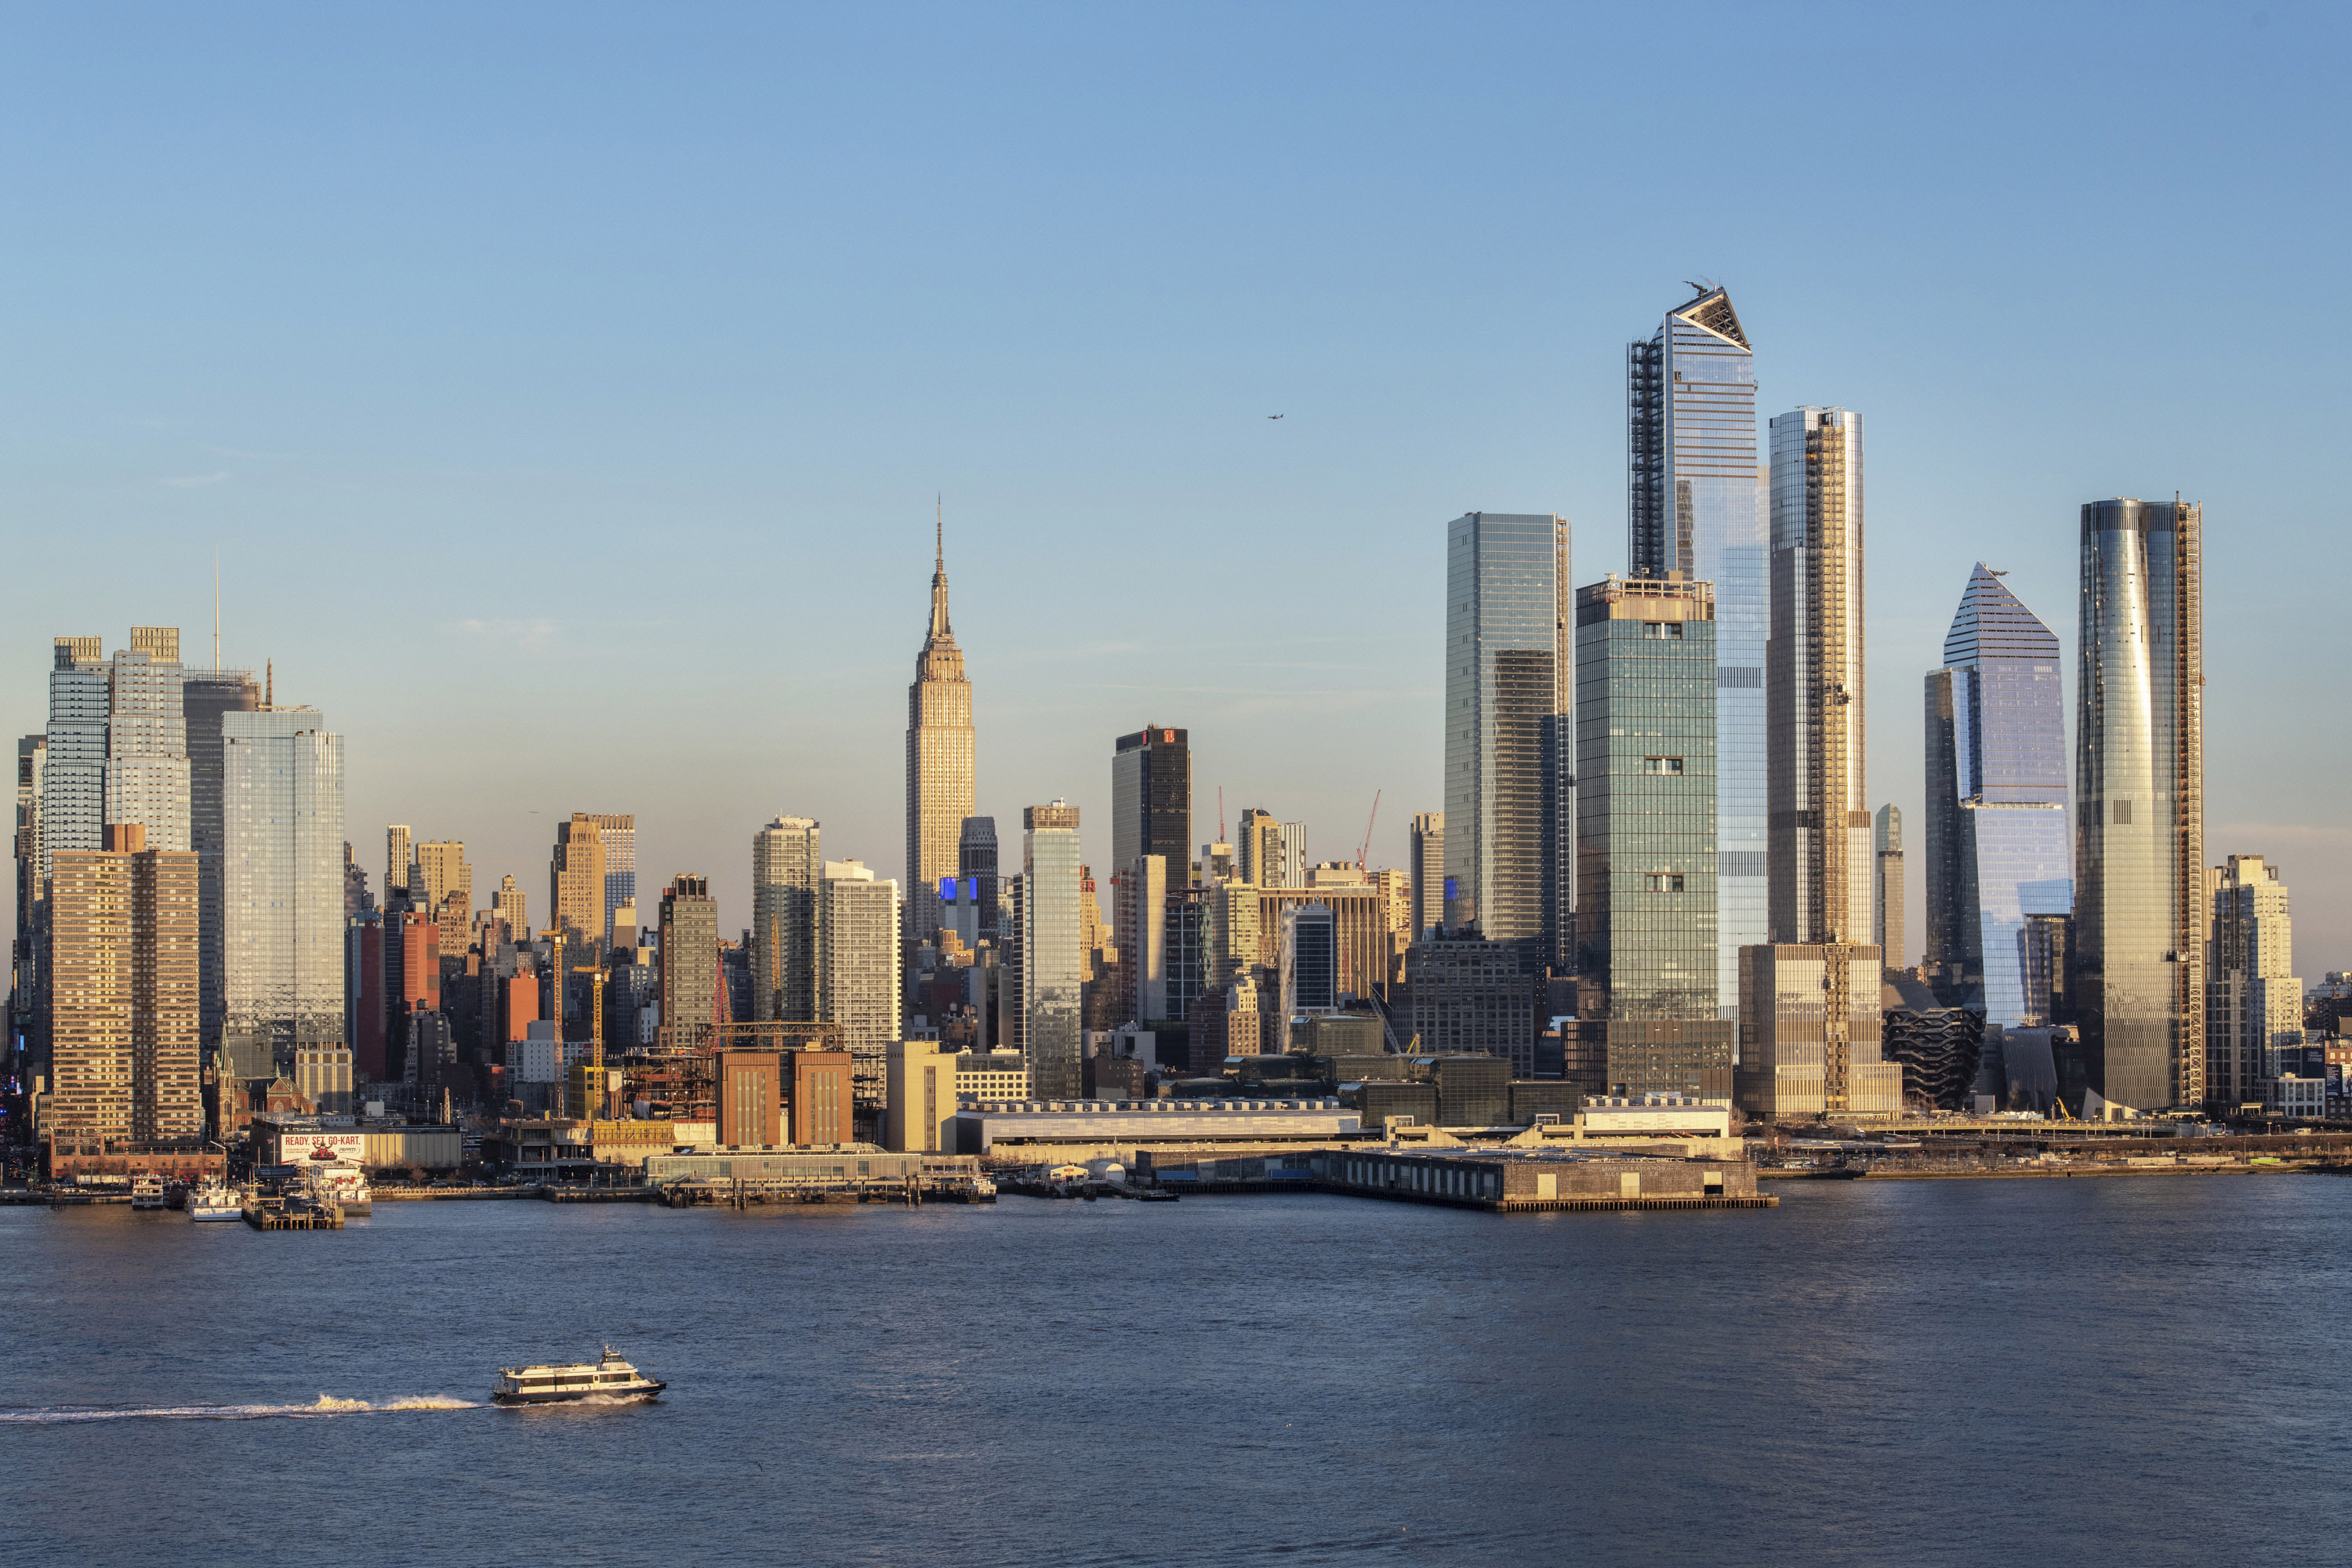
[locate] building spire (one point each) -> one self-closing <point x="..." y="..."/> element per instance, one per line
<point x="940" y="631"/>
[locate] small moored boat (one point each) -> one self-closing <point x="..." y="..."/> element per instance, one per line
<point x="215" y="1200"/>
<point x="610" y="1377"/>
<point x="147" y="1192"/>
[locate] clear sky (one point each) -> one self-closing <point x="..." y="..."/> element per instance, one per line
<point x="565" y="388"/>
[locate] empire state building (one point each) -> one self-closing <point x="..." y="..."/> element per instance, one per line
<point x="939" y="760"/>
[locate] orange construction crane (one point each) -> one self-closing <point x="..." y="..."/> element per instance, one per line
<point x="1366" y="846"/>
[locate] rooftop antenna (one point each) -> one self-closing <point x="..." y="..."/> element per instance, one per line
<point x="269" y="686"/>
<point x="940" y="527"/>
<point x="1221" y="814"/>
<point x="215" y="609"/>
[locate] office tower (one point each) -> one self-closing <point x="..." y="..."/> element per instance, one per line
<point x="73" y="790"/>
<point x="1647" y="1005"/>
<point x="1271" y="854"/>
<point x="1425" y="846"/>
<point x="617" y="832"/>
<point x="1818" y="847"/>
<point x="1886" y="892"/>
<point x="2140" y="826"/>
<point x="206" y="696"/>
<point x="147" y="738"/>
<point x="1694" y="505"/>
<point x="1361" y="931"/>
<point x="786" y="866"/>
<point x="448" y="896"/>
<point x="1997" y="852"/>
<point x="1152" y="799"/>
<point x="2253" y="1004"/>
<point x="1140" y="910"/>
<point x="1310" y="960"/>
<point x="1050" y="970"/>
<point x="281" y="887"/>
<point x="938" y="759"/>
<point x="576" y="878"/>
<point x="511" y="905"/>
<point x="689" y="961"/>
<point x="1507" y="756"/>
<point x="399" y="854"/>
<point x="1477" y="996"/>
<point x="859" y="920"/>
<point x="124" y="1025"/>
<point x="976" y="862"/>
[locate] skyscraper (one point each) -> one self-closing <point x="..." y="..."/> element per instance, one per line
<point x="512" y="905"/>
<point x="2253" y="1002"/>
<point x="448" y="896"/>
<point x="1050" y="954"/>
<point x="282" y="922"/>
<point x="147" y="738"/>
<point x="976" y="861"/>
<point x="786" y="866"/>
<point x="1645" y="823"/>
<point x="618" y="832"/>
<point x="399" y="854"/>
<point x="1819" y="842"/>
<point x="1694" y="504"/>
<point x="73" y="789"/>
<point x="576" y="878"/>
<point x="1997" y="852"/>
<point x="938" y="758"/>
<point x="1151" y="800"/>
<point x="1426" y="846"/>
<point x="207" y="696"/>
<point x="1508" y="755"/>
<point x="2140" y="793"/>
<point x="690" y="962"/>
<point x="1887" y="899"/>
<point x="857" y="963"/>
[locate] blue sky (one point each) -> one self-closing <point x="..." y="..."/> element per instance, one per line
<point x="566" y="388"/>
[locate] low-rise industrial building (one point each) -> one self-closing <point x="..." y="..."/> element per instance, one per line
<point x="1515" y="1180"/>
<point x="981" y="1126"/>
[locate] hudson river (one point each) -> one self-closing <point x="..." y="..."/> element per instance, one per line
<point x="2109" y="1371"/>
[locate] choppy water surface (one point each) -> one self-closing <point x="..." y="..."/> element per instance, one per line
<point x="2092" y="1372"/>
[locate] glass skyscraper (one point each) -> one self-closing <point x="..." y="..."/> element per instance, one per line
<point x="2141" y="907"/>
<point x="1694" y="504"/>
<point x="1050" y="954"/>
<point x="1508" y="755"/>
<point x="1997" y="850"/>
<point x="281" y="887"/>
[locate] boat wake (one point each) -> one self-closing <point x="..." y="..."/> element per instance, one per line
<point x="327" y="1406"/>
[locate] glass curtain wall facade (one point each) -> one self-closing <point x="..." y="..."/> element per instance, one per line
<point x="1051" y="966"/>
<point x="147" y="738"/>
<point x="787" y="865"/>
<point x="209" y="696"/>
<point x="1694" y="504"/>
<point x="2253" y="1002"/>
<point x="2140" y="908"/>
<point x="1151" y="800"/>
<point x="619" y="832"/>
<point x="1996" y="849"/>
<point x="73" y="770"/>
<point x="1509" y="754"/>
<point x="281" y="888"/>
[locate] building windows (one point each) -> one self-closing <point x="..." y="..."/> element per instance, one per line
<point x="1665" y="881"/>
<point x="1665" y="766"/>
<point x="1663" y="631"/>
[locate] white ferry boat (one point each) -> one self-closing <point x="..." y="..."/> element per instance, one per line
<point x="611" y="1377"/>
<point x="342" y="1185"/>
<point x="147" y="1192"/>
<point x="215" y="1200"/>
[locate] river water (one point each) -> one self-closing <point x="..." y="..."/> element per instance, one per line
<point x="2117" y="1370"/>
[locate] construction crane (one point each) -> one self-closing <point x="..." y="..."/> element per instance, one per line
<point x="1366" y="846"/>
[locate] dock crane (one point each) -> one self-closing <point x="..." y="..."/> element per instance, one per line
<point x="1366" y="846"/>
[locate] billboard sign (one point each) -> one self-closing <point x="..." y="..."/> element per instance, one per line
<point x="322" y="1148"/>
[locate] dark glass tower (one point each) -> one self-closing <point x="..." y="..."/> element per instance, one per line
<point x="1151" y="800"/>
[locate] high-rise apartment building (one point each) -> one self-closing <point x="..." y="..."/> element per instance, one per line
<point x="618" y="831"/>
<point x="207" y="696"/>
<point x="1997" y="855"/>
<point x="690" y="962"/>
<point x="125" y="1018"/>
<point x="1272" y="854"/>
<point x="1425" y="844"/>
<point x="1645" y="823"/>
<point x="1508" y="755"/>
<point x="857" y="963"/>
<point x="73" y="789"/>
<point x="2141" y="910"/>
<point x="1819" y="839"/>
<point x="147" y="738"/>
<point x="282" y="925"/>
<point x="1152" y="799"/>
<point x="1051" y="967"/>
<point x="1887" y="894"/>
<point x="448" y="896"/>
<point x="938" y="759"/>
<point x="1696" y="504"/>
<point x="576" y="878"/>
<point x="786" y="868"/>
<point x="25" y="982"/>
<point x="2253" y="1003"/>
<point x="511" y="905"/>
<point x="399" y="855"/>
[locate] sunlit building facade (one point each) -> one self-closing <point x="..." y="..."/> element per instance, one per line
<point x="1050" y="954"/>
<point x="787" y="866"/>
<point x="282" y="927"/>
<point x="938" y="761"/>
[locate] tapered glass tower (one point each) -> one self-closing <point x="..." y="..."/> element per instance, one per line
<point x="1694" y="504"/>
<point x="938" y="759"/>
<point x="2140" y="905"/>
